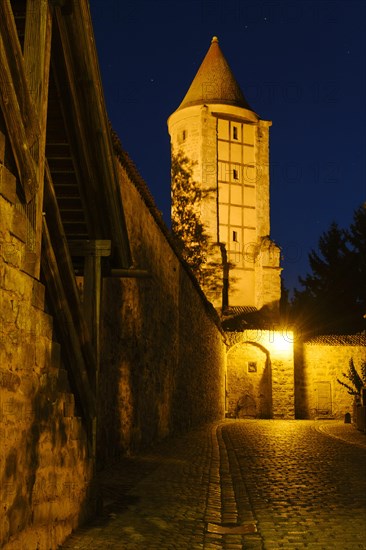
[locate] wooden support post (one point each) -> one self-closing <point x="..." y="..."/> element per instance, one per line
<point x="37" y="54"/>
<point x="15" y="125"/>
<point x="131" y="273"/>
<point x="13" y="75"/>
<point x="68" y="282"/>
<point x="57" y="232"/>
<point x="69" y="335"/>
<point x="93" y="252"/>
<point x="90" y="127"/>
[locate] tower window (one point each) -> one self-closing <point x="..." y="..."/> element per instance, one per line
<point x="184" y="135"/>
<point x="235" y="132"/>
<point x="235" y="236"/>
<point x="235" y="174"/>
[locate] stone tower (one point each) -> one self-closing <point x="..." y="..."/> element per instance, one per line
<point x="219" y="132"/>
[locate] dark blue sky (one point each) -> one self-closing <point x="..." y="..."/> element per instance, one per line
<point x="301" y="64"/>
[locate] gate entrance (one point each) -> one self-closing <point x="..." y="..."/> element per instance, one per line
<point x="248" y="381"/>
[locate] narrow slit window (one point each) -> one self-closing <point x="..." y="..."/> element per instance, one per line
<point x="235" y="174"/>
<point x="184" y="135"/>
<point x="235" y="236"/>
<point x="235" y="132"/>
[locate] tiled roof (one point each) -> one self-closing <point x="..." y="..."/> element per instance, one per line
<point x="238" y="318"/>
<point x="339" y="340"/>
<point x="214" y="82"/>
<point x="239" y="310"/>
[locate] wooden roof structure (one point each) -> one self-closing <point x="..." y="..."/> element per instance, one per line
<point x="50" y="47"/>
<point x="59" y="148"/>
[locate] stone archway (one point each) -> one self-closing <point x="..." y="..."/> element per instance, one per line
<point x="249" y="384"/>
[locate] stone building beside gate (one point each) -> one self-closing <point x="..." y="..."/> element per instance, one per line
<point x="107" y="342"/>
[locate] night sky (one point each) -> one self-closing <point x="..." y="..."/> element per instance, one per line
<point x="300" y="64"/>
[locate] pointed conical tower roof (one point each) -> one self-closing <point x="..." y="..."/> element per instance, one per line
<point x="214" y="82"/>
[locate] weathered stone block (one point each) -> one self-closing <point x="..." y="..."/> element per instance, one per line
<point x="19" y="225"/>
<point x="63" y="382"/>
<point x="38" y="295"/>
<point x="69" y="404"/>
<point x="11" y="252"/>
<point x="7" y="185"/>
<point x="76" y="429"/>
<point x="29" y="262"/>
<point x="14" y="281"/>
<point x="43" y="323"/>
<point x="9" y="380"/>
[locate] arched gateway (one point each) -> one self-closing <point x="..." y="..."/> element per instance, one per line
<point x="260" y="374"/>
<point x="248" y="382"/>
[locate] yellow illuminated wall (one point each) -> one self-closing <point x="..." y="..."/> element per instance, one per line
<point x="229" y="146"/>
<point x="228" y="143"/>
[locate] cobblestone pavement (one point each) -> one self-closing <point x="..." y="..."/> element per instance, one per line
<point x="251" y="484"/>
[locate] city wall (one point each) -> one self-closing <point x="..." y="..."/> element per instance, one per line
<point x="46" y="472"/>
<point x="163" y="354"/>
<point x="162" y="372"/>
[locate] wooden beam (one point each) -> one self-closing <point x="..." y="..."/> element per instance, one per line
<point x="92" y="251"/>
<point x="69" y="335"/>
<point x="131" y="273"/>
<point x="15" y="101"/>
<point x="37" y="53"/>
<point x="67" y="82"/>
<point x="90" y="248"/>
<point x="15" y="126"/>
<point x="12" y="50"/>
<point x="59" y="240"/>
<point x="94" y="130"/>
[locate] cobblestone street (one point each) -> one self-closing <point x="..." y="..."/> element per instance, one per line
<point x="252" y="484"/>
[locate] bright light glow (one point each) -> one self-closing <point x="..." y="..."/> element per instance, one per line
<point x="283" y="340"/>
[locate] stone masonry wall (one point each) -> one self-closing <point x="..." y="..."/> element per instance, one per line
<point x="318" y="365"/>
<point x="162" y="351"/>
<point x="45" y="471"/>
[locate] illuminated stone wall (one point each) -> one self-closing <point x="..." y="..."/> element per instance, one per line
<point x="163" y="354"/>
<point x="319" y="362"/>
<point x="229" y="146"/>
<point x="45" y="471"/>
<point x="260" y="374"/>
